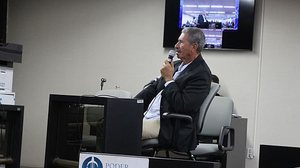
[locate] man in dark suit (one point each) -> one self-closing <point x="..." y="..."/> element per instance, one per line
<point x="202" y="21"/>
<point x="181" y="89"/>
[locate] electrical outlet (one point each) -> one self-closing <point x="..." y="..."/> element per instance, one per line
<point x="250" y="153"/>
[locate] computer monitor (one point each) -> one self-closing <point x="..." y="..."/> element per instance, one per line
<point x="11" y="127"/>
<point x="279" y="156"/>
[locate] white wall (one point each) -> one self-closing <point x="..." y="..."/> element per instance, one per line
<point x="70" y="44"/>
<point x="279" y="117"/>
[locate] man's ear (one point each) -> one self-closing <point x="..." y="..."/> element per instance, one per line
<point x="195" y="46"/>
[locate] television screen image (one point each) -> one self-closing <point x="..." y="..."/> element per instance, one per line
<point x="227" y="24"/>
<point x="213" y="17"/>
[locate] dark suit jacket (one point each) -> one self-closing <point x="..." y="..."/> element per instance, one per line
<point x="184" y="96"/>
<point x="200" y="19"/>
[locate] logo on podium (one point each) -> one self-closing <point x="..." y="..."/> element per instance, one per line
<point x="102" y="160"/>
<point x="92" y="162"/>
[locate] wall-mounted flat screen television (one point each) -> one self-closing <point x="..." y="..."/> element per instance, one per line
<point x="227" y="24"/>
<point x="3" y="19"/>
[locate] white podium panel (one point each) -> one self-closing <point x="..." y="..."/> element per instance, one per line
<point x="99" y="160"/>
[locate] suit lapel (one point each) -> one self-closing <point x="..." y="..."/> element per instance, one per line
<point x="188" y="68"/>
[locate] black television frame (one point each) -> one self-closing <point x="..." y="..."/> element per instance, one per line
<point x="3" y="21"/>
<point x="232" y="39"/>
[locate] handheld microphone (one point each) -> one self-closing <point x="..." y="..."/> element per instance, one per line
<point x="102" y="82"/>
<point x="171" y="55"/>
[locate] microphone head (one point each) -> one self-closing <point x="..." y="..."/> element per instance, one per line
<point x="171" y="55"/>
<point x="103" y="80"/>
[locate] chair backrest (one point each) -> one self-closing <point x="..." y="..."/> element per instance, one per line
<point x="114" y="93"/>
<point x="218" y="115"/>
<point x="214" y="88"/>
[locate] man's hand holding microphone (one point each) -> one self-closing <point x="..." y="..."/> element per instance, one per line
<point x="167" y="70"/>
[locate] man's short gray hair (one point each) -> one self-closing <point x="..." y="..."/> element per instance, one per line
<point x="195" y="35"/>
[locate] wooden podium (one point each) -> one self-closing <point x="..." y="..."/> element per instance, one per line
<point x="92" y="124"/>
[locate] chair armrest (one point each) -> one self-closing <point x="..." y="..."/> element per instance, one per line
<point x="178" y="116"/>
<point x="226" y="139"/>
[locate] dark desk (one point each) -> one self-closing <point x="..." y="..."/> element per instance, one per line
<point x="126" y="161"/>
<point x="180" y="163"/>
<point x="92" y="124"/>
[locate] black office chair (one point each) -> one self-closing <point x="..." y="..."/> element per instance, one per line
<point x="153" y="144"/>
